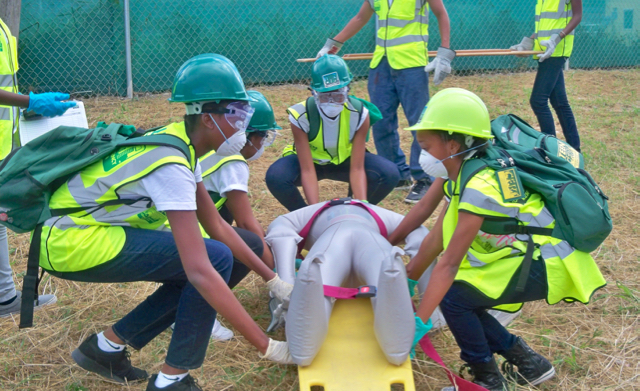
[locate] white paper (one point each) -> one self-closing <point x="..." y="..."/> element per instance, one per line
<point x="35" y="127"/>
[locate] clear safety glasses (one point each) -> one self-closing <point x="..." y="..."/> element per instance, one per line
<point x="238" y="114"/>
<point x="267" y="140"/>
<point x="337" y="96"/>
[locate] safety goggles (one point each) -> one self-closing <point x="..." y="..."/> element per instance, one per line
<point x="238" y="115"/>
<point x="266" y="140"/>
<point x="338" y="96"/>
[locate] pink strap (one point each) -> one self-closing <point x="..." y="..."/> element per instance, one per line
<point x="305" y="230"/>
<point x="350" y="293"/>
<point x="339" y="292"/>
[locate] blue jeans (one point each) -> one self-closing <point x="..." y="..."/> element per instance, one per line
<point x="477" y="333"/>
<point x="150" y="255"/>
<point x="549" y="86"/>
<point x="284" y="177"/>
<point x="388" y="88"/>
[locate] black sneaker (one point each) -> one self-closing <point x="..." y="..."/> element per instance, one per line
<point x="186" y="384"/>
<point x="486" y="375"/>
<point x="533" y="369"/>
<point x="418" y="190"/>
<point x="404" y="184"/>
<point x="114" y="366"/>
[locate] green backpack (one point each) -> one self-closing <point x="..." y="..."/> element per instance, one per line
<point x="512" y="132"/>
<point x="31" y="174"/>
<point x="577" y="204"/>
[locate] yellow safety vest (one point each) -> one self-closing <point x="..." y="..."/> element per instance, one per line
<point x="211" y="163"/>
<point x="349" y="119"/>
<point x="552" y="16"/>
<point x="8" y="82"/>
<point x="82" y="240"/>
<point x="403" y="33"/>
<point x="492" y="260"/>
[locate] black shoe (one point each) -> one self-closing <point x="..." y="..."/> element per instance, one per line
<point x="418" y="190"/>
<point x="486" y="375"/>
<point x="113" y="366"/>
<point x="186" y="384"/>
<point x="404" y="184"/>
<point x="533" y="369"/>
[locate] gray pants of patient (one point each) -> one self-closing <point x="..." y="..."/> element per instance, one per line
<point x="351" y="254"/>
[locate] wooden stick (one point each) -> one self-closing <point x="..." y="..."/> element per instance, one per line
<point x="459" y="53"/>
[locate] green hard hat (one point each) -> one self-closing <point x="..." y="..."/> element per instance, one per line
<point x="330" y="73"/>
<point x="208" y="77"/>
<point x="263" y="118"/>
<point x="456" y="110"/>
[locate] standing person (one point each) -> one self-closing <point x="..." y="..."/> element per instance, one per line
<point x="481" y="270"/>
<point x="47" y="104"/>
<point x="396" y="76"/>
<point x="330" y="131"/>
<point x="126" y="242"/>
<point x="554" y="33"/>
<point x="226" y="178"/>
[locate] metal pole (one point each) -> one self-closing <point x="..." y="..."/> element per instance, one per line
<point x="127" y="40"/>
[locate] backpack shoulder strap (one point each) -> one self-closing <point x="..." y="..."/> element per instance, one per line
<point x="314" y="118"/>
<point x="469" y="169"/>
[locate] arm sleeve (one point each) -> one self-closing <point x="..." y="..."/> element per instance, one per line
<point x="302" y="122"/>
<point x="231" y="176"/>
<point x="171" y="187"/>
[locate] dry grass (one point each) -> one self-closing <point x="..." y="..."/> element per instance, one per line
<point x="593" y="347"/>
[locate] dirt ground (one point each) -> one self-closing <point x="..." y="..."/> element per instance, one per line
<point x="593" y="347"/>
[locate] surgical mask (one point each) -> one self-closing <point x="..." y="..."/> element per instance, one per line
<point x="435" y="168"/>
<point x="258" y="153"/>
<point x="232" y="145"/>
<point x="331" y="110"/>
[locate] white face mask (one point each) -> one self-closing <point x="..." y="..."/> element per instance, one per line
<point x="232" y="145"/>
<point x="258" y="153"/>
<point x="331" y="110"/>
<point x="431" y="165"/>
<point x="435" y="167"/>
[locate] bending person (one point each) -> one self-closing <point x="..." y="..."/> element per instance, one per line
<point x="481" y="270"/>
<point x="225" y="175"/>
<point x="127" y="243"/>
<point x="347" y="248"/>
<point x="329" y="131"/>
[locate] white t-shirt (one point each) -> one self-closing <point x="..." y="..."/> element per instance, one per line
<point x="330" y="128"/>
<point x="170" y="187"/>
<point x="231" y="176"/>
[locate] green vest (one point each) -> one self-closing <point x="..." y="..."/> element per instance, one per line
<point x="211" y="163"/>
<point x="492" y="260"/>
<point x="552" y="16"/>
<point x="403" y="33"/>
<point x="8" y="82"/>
<point x="349" y="119"/>
<point x="82" y="240"/>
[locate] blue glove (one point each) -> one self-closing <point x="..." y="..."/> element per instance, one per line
<point x="421" y="330"/>
<point x="412" y="286"/>
<point x="49" y="103"/>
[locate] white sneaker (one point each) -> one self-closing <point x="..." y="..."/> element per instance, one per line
<point x="220" y="333"/>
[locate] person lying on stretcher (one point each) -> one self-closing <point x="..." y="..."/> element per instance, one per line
<point x="347" y="245"/>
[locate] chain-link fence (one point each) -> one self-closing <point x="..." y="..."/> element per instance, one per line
<point x="79" y="46"/>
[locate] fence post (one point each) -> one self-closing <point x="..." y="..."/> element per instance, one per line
<point x="127" y="42"/>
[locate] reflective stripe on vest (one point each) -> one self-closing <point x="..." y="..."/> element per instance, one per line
<point x="552" y="16"/>
<point x="492" y="260"/>
<point x="348" y="126"/>
<point x="402" y="33"/>
<point x="211" y="163"/>
<point x="86" y="239"/>
<point x="8" y="82"/>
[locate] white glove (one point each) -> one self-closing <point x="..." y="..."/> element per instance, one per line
<point x="330" y="47"/>
<point x="441" y="64"/>
<point x="525" y="45"/>
<point x="550" y="44"/>
<point x="281" y="290"/>
<point x="278" y="351"/>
